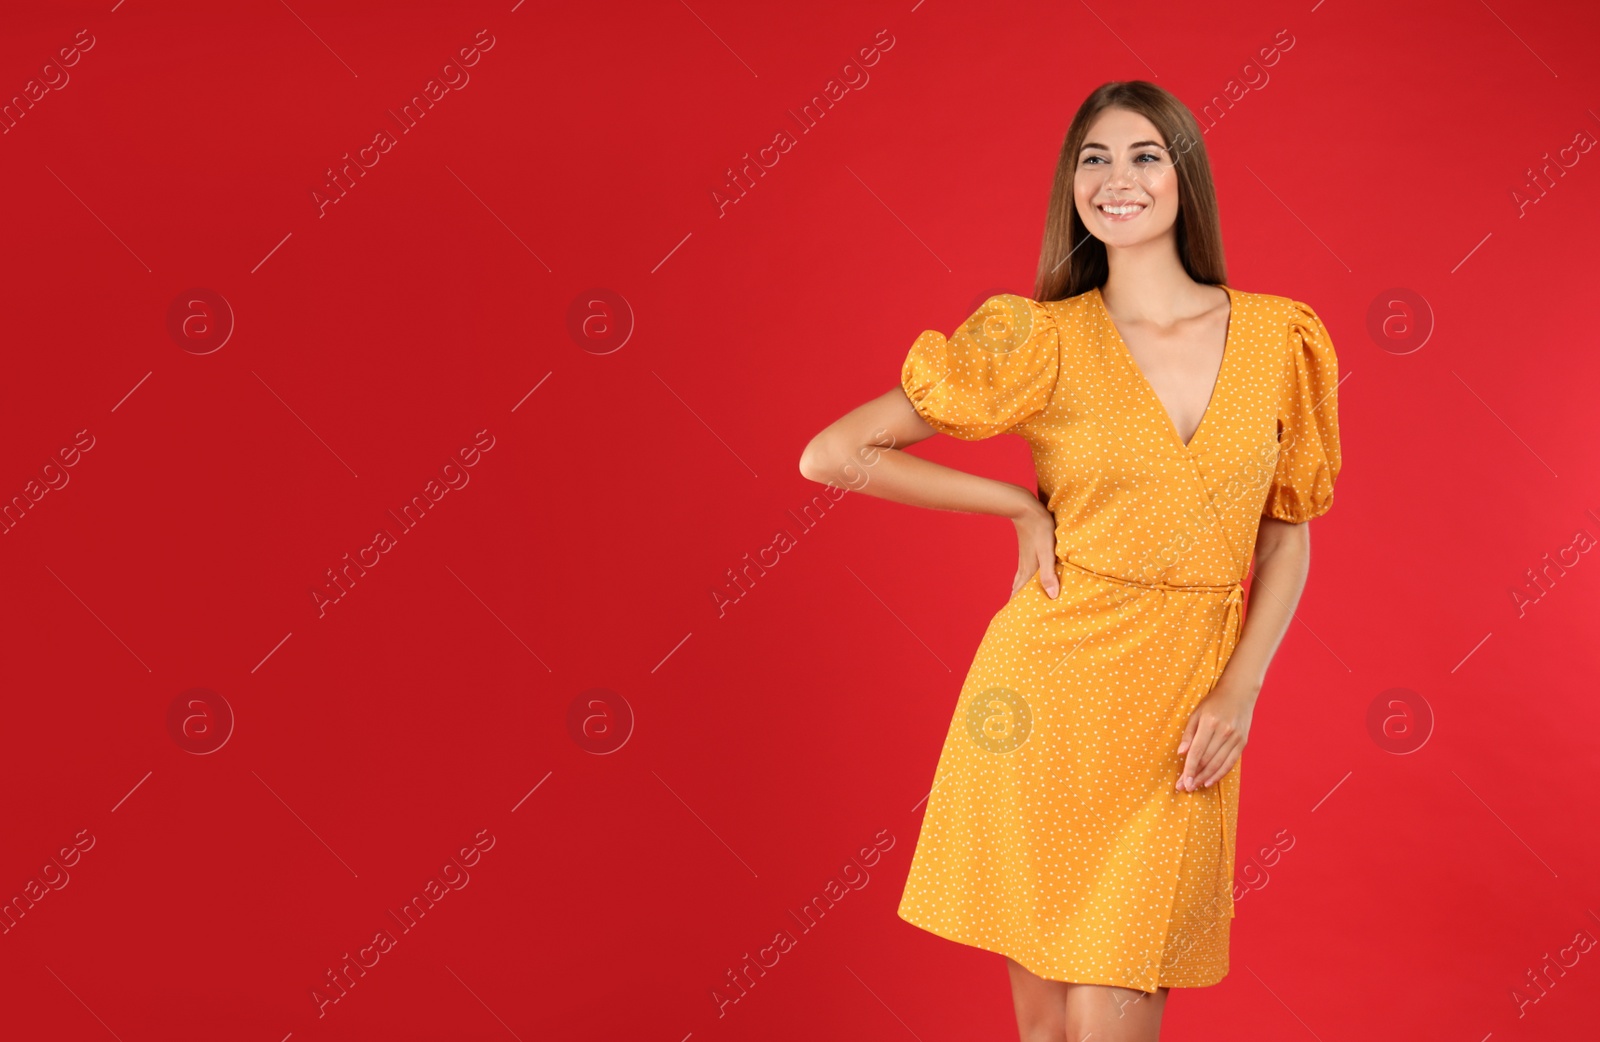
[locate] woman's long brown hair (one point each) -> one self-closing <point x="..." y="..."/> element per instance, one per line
<point x="1071" y="261"/>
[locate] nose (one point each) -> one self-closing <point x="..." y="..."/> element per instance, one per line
<point x="1124" y="178"/>
<point x="1120" y="174"/>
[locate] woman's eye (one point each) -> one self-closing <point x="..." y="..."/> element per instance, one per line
<point x="1152" y="156"/>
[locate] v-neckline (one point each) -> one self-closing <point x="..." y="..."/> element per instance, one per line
<point x="1149" y="389"/>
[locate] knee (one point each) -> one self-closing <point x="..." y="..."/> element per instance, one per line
<point x="1045" y="1029"/>
<point x="1039" y="1019"/>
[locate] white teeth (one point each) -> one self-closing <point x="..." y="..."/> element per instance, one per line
<point x="1120" y="211"/>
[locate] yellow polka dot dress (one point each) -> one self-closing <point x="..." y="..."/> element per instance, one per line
<point x="1054" y="832"/>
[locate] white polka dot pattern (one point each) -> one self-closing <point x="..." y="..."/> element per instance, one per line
<point x="1054" y="832"/>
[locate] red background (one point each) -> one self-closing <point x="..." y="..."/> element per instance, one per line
<point x="771" y="741"/>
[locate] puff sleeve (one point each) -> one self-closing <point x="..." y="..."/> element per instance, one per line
<point x="996" y="371"/>
<point x="1308" y="422"/>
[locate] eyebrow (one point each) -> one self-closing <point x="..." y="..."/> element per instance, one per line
<point x="1136" y="144"/>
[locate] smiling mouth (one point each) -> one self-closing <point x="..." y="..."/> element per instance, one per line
<point x="1120" y="211"/>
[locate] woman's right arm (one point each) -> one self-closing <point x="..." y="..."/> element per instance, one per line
<point x="863" y="451"/>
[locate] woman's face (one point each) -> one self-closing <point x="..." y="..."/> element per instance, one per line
<point x="1124" y="164"/>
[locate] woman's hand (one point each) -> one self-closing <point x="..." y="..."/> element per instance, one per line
<point x="1216" y="733"/>
<point x="1036" y="548"/>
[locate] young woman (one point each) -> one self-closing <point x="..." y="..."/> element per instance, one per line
<point x="1083" y="812"/>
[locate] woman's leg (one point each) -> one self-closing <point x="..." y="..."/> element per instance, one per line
<point x="1041" y="1005"/>
<point x="1058" y="1011"/>
<point x="1110" y="1014"/>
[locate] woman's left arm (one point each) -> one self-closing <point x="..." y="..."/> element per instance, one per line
<point x="1220" y="725"/>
